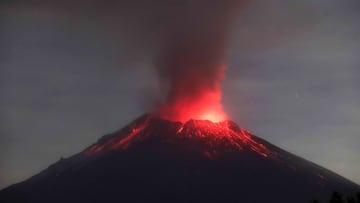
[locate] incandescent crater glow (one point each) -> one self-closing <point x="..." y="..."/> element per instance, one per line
<point x="194" y="101"/>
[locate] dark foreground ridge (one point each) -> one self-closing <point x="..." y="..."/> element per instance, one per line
<point x="155" y="160"/>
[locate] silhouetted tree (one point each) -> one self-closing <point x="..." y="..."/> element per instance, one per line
<point x="358" y="197"/>
<point x="336" y="198"/>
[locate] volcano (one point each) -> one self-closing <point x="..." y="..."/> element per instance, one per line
<point x="157" y="160"/>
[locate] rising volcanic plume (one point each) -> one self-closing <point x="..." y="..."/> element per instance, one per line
<point x="192" y="64"/>
<point x="161" y="160"/>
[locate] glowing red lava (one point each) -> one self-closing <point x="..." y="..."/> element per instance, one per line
<point x="225" y="135"/>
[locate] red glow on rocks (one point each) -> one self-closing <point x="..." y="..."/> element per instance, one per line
<point x="214" y="136"/>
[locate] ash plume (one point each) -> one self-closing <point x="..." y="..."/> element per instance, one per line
<point x="187" y="39"/>
<point x="191" y="63"/>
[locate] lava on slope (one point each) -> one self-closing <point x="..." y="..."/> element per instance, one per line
<point x="157" y="160"/>
<point x="213" y="135"/>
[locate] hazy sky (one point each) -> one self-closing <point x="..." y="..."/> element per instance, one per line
<point x="70" y="73"/>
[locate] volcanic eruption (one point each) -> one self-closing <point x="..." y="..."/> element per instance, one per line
<point x="187" y="150"/>
<point x="192" y="61"/>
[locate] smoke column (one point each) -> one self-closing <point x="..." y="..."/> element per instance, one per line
<point x="191" y="64"/>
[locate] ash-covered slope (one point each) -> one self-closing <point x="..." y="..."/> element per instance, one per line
<point x="155" y="160"/>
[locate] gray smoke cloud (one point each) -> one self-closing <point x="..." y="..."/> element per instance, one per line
<point x="193" y="51"/>
<point x="186" y="38"/>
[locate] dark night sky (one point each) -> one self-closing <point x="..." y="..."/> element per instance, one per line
<point x="71" y="72"/>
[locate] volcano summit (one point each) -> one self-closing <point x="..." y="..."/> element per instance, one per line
<point x="157" y="160"/>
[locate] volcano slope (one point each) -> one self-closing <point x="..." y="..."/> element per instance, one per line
<point x="155" y="160"/>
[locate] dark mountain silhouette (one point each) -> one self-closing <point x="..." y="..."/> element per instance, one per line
<point x="155" y="160"/>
